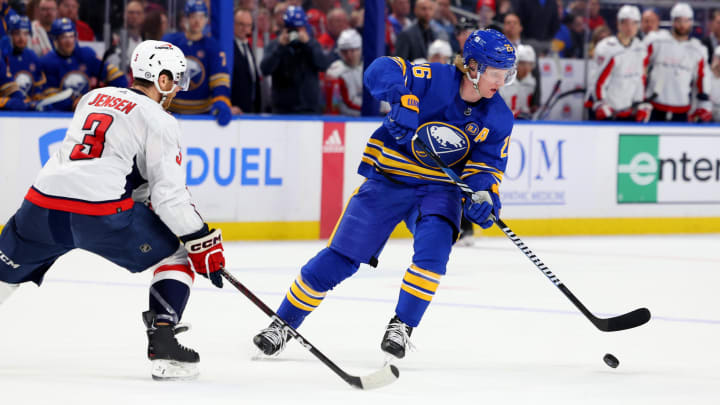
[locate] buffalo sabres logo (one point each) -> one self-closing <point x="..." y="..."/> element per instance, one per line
<point x="77" y="81"/>
<point x="196" y="70"/>
<point x="24" y="81"/>
<point x="447" y="141"/>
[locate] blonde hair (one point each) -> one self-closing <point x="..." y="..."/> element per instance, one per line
<point x="459" y="63"/>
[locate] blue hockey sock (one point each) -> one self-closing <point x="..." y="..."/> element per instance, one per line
<point x="300" y="300"/>
<point x="417" y="290"/>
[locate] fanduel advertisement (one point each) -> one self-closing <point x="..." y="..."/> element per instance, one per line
<point x="668" y="168"/>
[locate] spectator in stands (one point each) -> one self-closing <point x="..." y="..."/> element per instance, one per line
<point x="595" y="19"/>
<point x="570" y="39"/>
<point x="463" y="29"/>
<point x="74" y="67"/>
<point x="617" y="89"/>
<point x="446" y="20"/>
<point x="712" y="40"/>
<point x="440" y="52"/>
<point x="413" y="42"/>
<point x="487" y="14"/>
<point x="344" y="90"/>
<point x="519" y="94"/>
<point x="5" y="13"/>
<point x="598" y="34"/>
<point x="679" y="74"/>
<point x="155" y="24"/>
<point x="399" y="15"/>
<point x="209" y="73"/>
<point x="245" y="93"/>
<point x="650" y="22"/>
<point x="512" y="28"/>
<point x="293" y="60"/>
<point x="23" y="63"/>
<point x="338" y="21"/>
<point x="69" y="9"/>
<point x="715" y="84"/>
<point x="539" y="18"/>
<point x="134" y="18"/>
<point x="45" y="12"/>
<point x="278" y="23"/>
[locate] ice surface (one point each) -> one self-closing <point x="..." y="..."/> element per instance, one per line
<point x="498" y="332"/>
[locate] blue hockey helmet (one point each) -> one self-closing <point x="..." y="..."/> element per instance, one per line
<point x="62" y="26"/>
<point x="195" y="6"/>
<point x="18" y="22"/>
<point x="295" y="17"/>
<point x="490" y="48"/>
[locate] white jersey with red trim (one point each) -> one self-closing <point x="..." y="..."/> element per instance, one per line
<point x="677" y="69"/>
<point x="618" y="77"/>
<point x="715" y="96"/>
<point x="119" y="140"/>
<point x="350" y="83"/>
<point x="518" y="94"/>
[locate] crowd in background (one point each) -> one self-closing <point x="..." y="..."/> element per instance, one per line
<point x="305" y="56"/>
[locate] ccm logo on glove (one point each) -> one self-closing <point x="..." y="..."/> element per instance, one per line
<point x="203" y="245"/>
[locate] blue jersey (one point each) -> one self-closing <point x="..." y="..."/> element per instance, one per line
<point x="11" y="98"/>
<point x="5" y="13"/>
<point x="80" y="72"/>
<point x="209" y="75"/>
<point x="479" y="158"/>
<point x="27" y="73"/>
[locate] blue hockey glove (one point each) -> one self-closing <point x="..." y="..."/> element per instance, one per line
<point x="483" y="204"/>
<point x="222" y="113"/>
<point x="402" y="120"/>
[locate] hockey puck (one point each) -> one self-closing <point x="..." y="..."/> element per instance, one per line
<point x="611" y="360"/>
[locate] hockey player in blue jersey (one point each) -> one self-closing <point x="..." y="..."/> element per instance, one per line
<point x="457" y="111"/>
<point x="70" y="66"/>
<point x="23" y="62"/>
<point x="207" y="67"/>
<point x="6" y="13"/>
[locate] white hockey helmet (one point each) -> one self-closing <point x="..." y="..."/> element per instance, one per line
<point x="150" y="58"/>
<point x="349" y="39"/>
<point x="681" y="10"/>
<point x="628" y="12"/>
<point x="525" y="53"/>
<point x="440" y="47"/>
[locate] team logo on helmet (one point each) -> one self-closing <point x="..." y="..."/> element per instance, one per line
<point x="447" y="141"/>
<point x="196" y="71"/>
<point x="24" y="81"/>
<point x="77" y="81"/>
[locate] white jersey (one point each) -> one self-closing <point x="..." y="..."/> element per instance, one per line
<point x="350" y="83"/>
<point x="677" y="69"/>
<point x="618" y="73"/>
<point x="715" y="96"/>
<point x="117" y="141"/>
<point x="518" y="94"/>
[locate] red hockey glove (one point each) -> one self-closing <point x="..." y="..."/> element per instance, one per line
<point x="643" y="112"/>
<point x="206" y="254"/>
<point x="603" y="111"/>
<point x="700" y="115"/>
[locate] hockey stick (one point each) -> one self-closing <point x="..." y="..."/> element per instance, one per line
<point x="626" y="321"/>
<point x="55" y="98"/>
<point x="386" y="375"/>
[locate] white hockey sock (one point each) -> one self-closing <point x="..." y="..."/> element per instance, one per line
<point x="6" y="289"/>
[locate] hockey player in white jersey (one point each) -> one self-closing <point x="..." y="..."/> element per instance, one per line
<point x="618" y="83"/>
<point x="715" y="84"/>
<point x="678" y="71"/>
<point x="518" y="95"/>
<point x="121" y="152"/>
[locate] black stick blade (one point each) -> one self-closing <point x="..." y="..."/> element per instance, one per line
<point x="386" y="375"/>
<point x="626" y="321"/>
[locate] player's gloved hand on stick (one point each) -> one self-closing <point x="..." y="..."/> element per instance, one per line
<point x="483" y="204"/>
<point x="603" y="111"/>
<point x="222" y="113"/>
<point x="205" y="252"/>
<point x="643" y="112"/>
<point x="402" y="120"/>
<point x="700" y="115"/>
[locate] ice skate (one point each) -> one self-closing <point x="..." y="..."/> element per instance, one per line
<point x="397" y="338"/>
<point x="170" y="360"/>
<point x="271" y="340"/>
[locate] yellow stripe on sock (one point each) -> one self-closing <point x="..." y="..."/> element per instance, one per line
<point x="306" y="299"/>
<point x="309" y="290"/>
<point x="297" y="303"/>
<point x="420" y="282"/>
<point x="417" y="293"/>
<point x="426" y="273"/>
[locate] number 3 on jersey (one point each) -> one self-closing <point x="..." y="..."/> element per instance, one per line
<point x="93" y="142"/>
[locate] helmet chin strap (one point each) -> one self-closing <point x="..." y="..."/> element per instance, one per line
<point x="473" y="81"/>
<point x="164" y="94"/>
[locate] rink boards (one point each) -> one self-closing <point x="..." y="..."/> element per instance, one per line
<point x="289" y="177"/>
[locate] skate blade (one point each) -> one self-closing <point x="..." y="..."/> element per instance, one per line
<point x="170" y="370"/>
